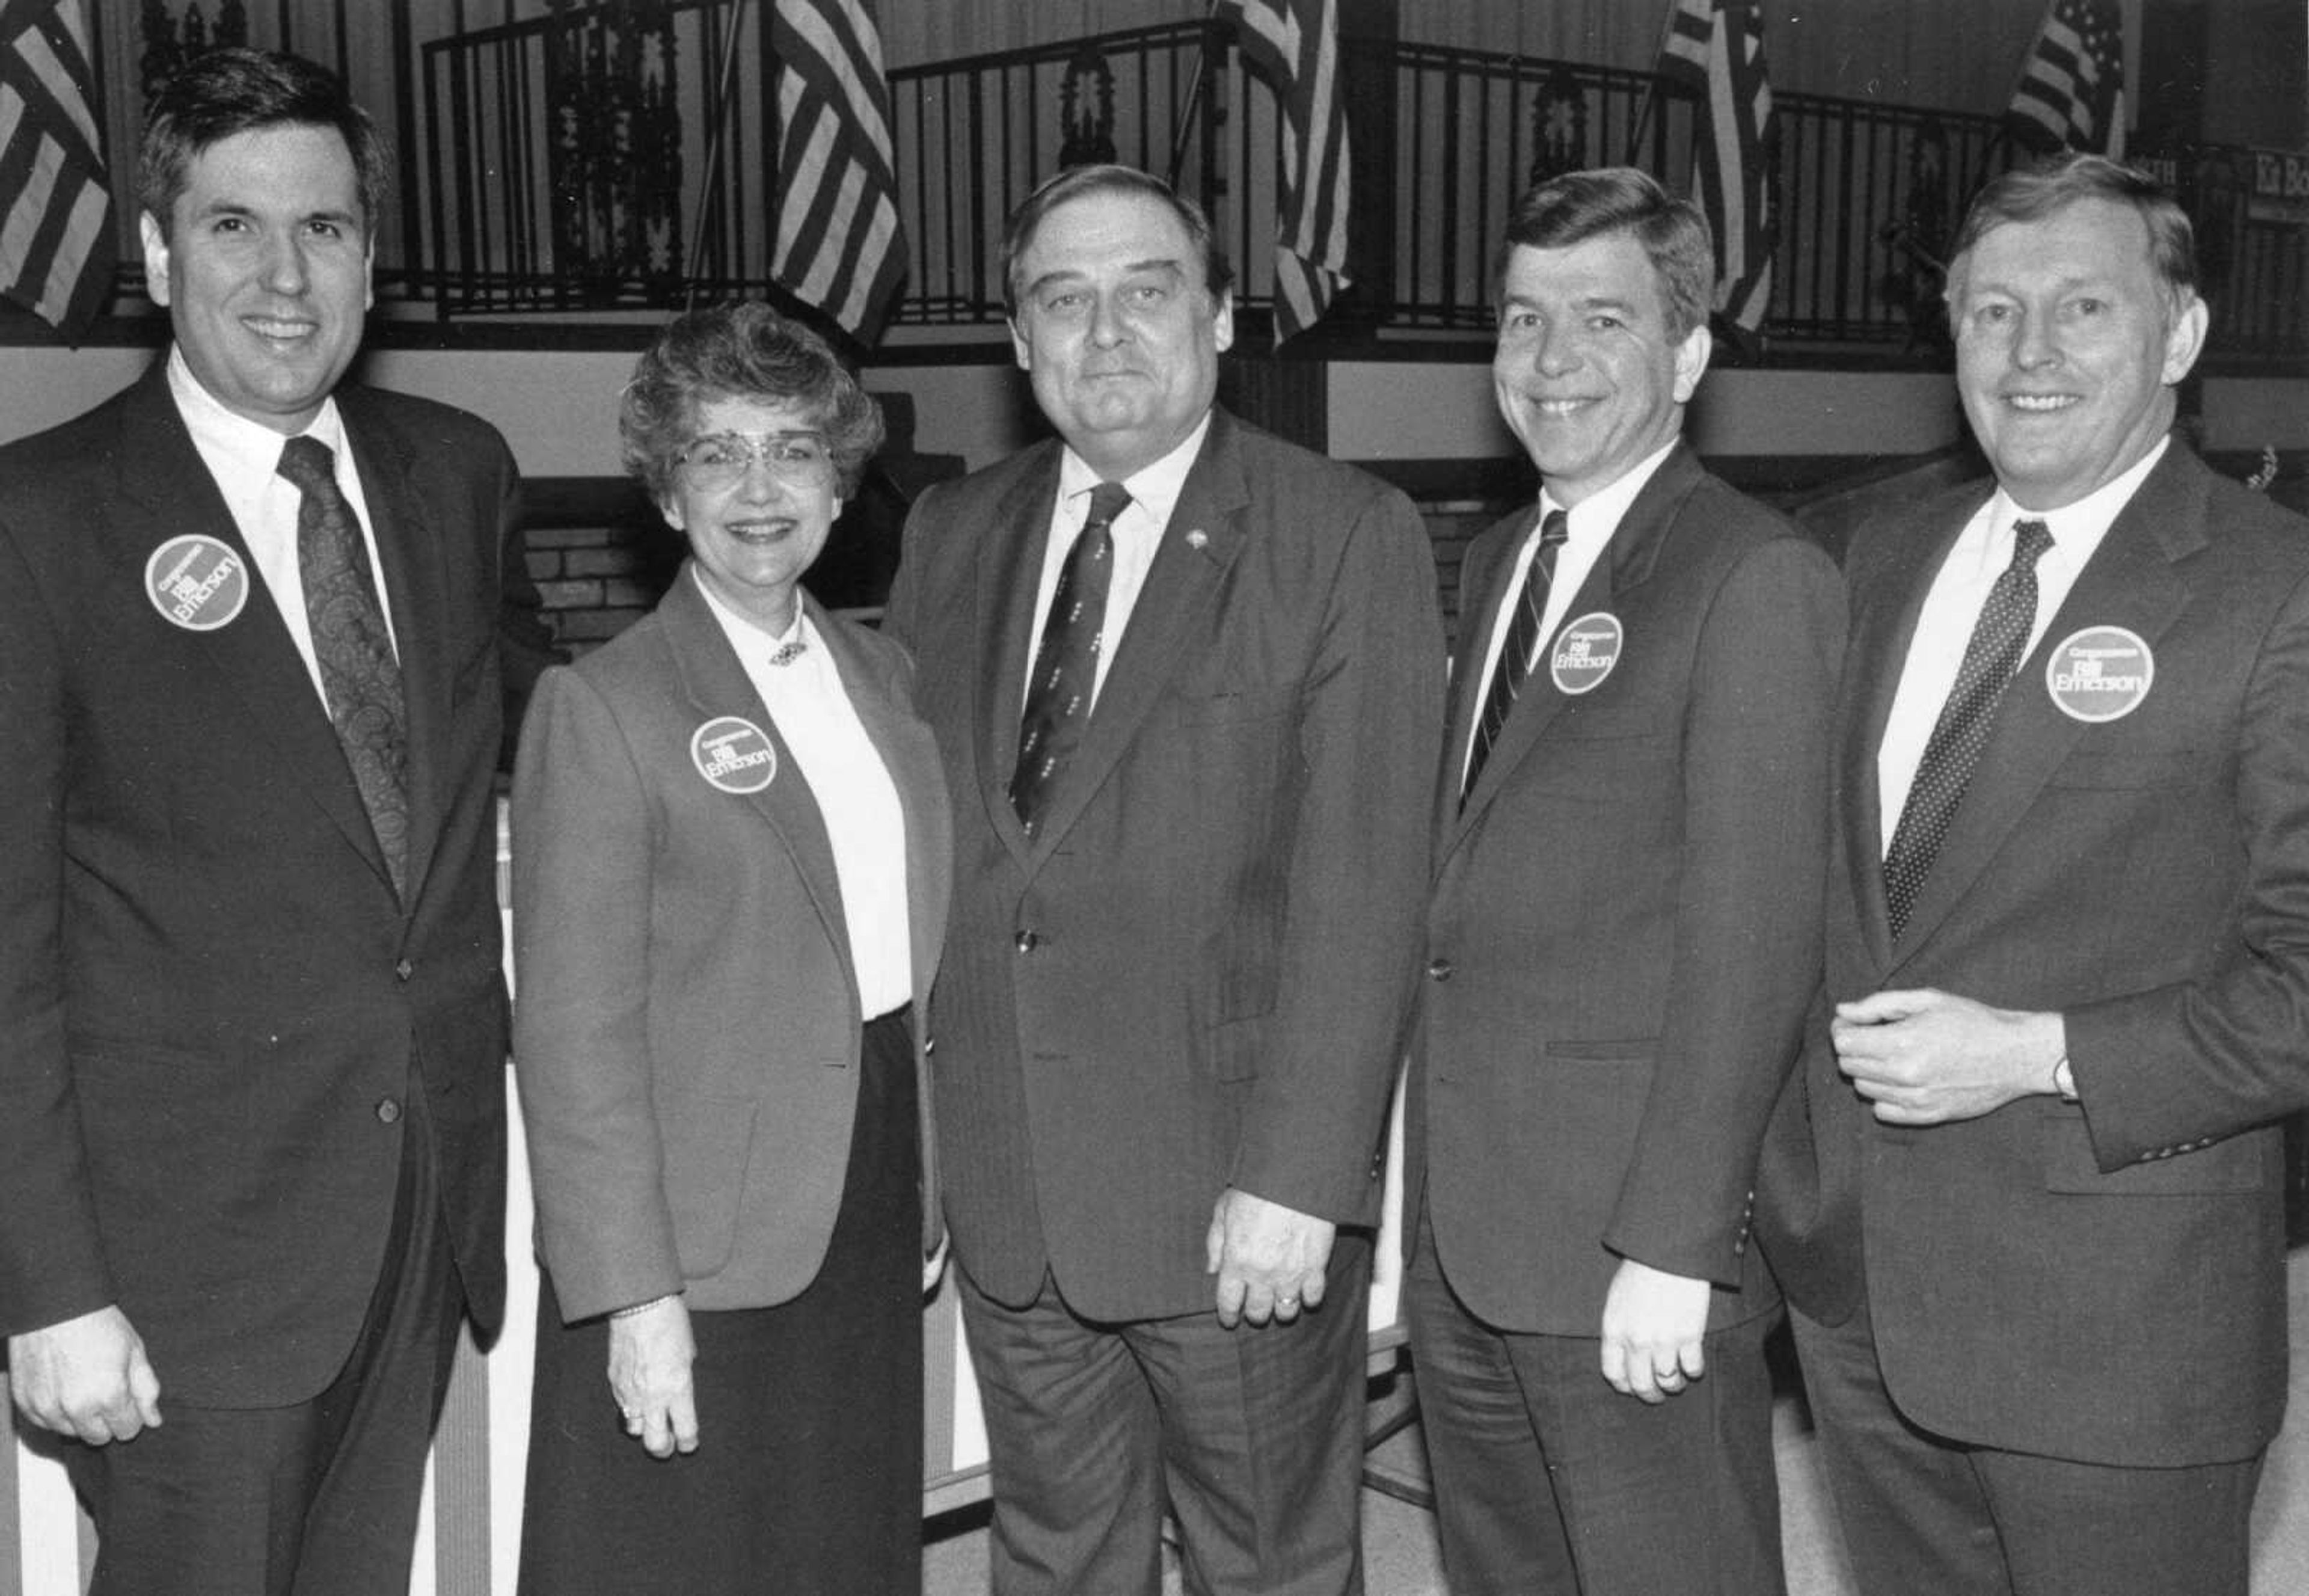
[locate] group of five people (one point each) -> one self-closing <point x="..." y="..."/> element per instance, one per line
<point x="1926" y="939"/>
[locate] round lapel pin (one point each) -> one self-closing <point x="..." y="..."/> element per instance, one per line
<point x="1585" y="651"/>
<point x="196" y="582"/>
<point x="2099" y="673"/>
<point x="734" y="754"/>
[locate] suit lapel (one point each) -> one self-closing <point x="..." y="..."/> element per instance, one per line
<point x="717" y="684"/>
<point x="1883" y="626"/>
<point x="1179" y="587"/>
<point x="409" y="547"/>
<point x="164" y="489"/>
<point x="1010" y="570"/>
<point x="1469" y="684"/>
<point x="2128" y="582"/>
<point x="1624" y="565"/>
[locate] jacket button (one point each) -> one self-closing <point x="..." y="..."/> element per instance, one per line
<point x="1439" y="970"/>
<point x="929" y="1045"/>
<point x="403" y="970"/>
<point x="388" y="1110"/>
<point x="1026" y="942"/>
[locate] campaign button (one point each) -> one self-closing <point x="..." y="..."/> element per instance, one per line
<point x="1585" y="651"/>
<point x="196" y="582"/>
<point x="734" y="754"/>
<point x="2099" y="673"/>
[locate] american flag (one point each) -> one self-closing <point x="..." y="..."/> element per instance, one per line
<point x="2071" y="90"/>
<point x="1294" y="44"/>
<point x="1716" y="48"/>
<point x="840" y="245"/>
<point x="56" y="247"/>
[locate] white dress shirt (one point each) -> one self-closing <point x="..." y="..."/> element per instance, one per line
<point x="1138" y="533"/>
<point x="1592" y="521"/>
<point x="856" y="798"/>
<point x="1952" y="608"/>
<point x="245" y="457"/>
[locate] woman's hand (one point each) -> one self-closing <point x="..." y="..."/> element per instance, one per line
<point x="650" y="1355"/>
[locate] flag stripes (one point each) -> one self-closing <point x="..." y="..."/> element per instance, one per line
<point x="839" y="243"/>
<point x="1715" y="47"/>
<point x="56" y="247"/>
<point x="2071" y="90"/>
<point x="1294" y="44"/>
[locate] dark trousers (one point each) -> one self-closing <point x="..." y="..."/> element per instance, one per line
<point x="1925" y="1515"/>
<point x="1549" y="1483"/>
<point x="808" y="1476"/>
<point x="319" y="1498"/>
<point x="1252" y="1438"/>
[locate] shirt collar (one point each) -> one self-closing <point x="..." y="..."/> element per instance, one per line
<point x="251" y="447"/>
<point x="1154" y="488"/>
<point x="1595" y="518"/>
<point x="2084" y="524"/>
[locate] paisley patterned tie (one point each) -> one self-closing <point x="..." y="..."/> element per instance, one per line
<point x="1066" y="666"/>
<point x="358" y="672"/>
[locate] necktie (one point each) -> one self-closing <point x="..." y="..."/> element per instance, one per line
<point x="359" y="676"/>
<point x="1065" y="664"/>
<point x="1516" y="656"/>
<point x="785" y="654"/>
<point x="1999" y="638"/>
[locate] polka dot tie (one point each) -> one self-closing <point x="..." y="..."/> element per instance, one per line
<point x="1066" y="665"/>
<point x="1521" y="647"/>
<point x="1999" y="640"/>
<point x="359" y="675"/>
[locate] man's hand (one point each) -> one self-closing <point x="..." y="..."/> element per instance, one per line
<point x="1653" y="1322"/>
<point x="87" y="1377"/>
<point x="650" y="1355"/>
<point x="1269" y="1259"/>
<point x="1924" y="1057"/>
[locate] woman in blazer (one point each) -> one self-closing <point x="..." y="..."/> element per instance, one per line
<point x="731" y="854"/>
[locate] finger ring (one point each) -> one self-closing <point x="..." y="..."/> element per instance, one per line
<point x="1286" y="1302"/>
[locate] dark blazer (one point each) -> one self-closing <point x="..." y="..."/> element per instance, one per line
<point x="1197" y="976"/>
<point x="686" y="1018"/>
<point x="2102" y="1282"/>
<point x="215" y="1006"/>
<point x="1623" y="936"/>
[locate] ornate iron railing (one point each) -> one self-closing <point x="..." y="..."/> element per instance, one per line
<point x="567" y="170"/>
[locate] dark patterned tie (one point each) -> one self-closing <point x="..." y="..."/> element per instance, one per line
<point x="1999" y="640"/>
<point x="358" y="673"/>
<point x="1066" y="665"/>
<point x="1516" y="656"/>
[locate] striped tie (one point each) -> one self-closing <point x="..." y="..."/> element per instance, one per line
<point x="1521" y="647"/>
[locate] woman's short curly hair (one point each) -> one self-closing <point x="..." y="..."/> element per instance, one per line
<point x="740" y="351"/>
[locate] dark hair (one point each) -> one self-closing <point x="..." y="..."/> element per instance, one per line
<point x="1075" y="182"/>
<point x="2032" y="193"/>
<point x="234" y="91"/>
<point x="1578" y="206"/>
<point x="743" y="349"/>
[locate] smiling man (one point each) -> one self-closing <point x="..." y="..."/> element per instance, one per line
<point x="2026" y="1194"/>
<point x="1187" y="680"/>
<point x="251" y="1028"/>
<point x="1628" y="819"/>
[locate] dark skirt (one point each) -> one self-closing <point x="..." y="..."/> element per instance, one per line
<point x="808" y="1476"/>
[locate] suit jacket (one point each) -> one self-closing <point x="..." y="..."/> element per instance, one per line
<point x="686" y="1022"/>
<point x="1622" y="936"/>
<point x="215" y="1006"/>
<point x="1195" y="975"/>
<point x="2102" y="1281"/>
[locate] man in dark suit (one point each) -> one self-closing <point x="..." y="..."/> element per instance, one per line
<point x="2026" y="1191"/>
<point x="252" y="1028"/>
<point x="1628" y="821"/>
<point x="1183" y="934"/>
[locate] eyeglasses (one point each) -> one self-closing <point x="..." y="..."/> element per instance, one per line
<point x="719" y="460"/>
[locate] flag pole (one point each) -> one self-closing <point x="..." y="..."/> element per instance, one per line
<point x="1644" y="112"/>
<point x="1194" y="101"/>
<point x="716" y="124"/>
